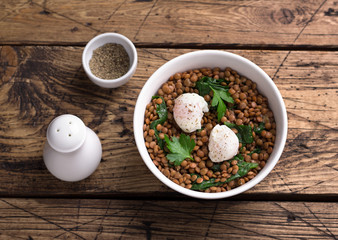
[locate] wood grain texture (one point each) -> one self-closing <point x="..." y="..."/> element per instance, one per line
<point x="128" y="219"/>
<point x="162" y="22"/>
<point x="40" y="83"/>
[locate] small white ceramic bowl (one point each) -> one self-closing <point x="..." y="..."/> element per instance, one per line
<point x="101" y="40"/>
<point x="222" y="59"/>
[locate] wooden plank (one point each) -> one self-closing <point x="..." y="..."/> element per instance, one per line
<point x="39" y="83"/>
<point x="129" y="219"/>
<point x="162" y="22"/>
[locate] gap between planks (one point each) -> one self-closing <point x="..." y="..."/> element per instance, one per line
<point x="173" y="196"/>
<point x="196" y="46"/>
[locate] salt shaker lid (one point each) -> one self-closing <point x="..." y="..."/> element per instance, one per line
<point x="66" y="133"/>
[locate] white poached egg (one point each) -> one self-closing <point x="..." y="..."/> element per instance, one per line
<point x="188" y="111"/>
<point x="223" y="144"/>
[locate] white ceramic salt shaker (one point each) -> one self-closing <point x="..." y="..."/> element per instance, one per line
<point x="72" y="151"/>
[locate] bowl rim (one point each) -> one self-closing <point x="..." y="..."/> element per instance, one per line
<point x="132" y="67"/>
<point x="140" y="143"/>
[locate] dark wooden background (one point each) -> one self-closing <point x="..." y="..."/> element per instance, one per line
<point x="41" y="77"/>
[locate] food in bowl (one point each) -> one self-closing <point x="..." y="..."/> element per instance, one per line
<point x="209" y="130"/>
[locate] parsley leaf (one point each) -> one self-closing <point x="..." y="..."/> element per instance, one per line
<point x="162" y="113"/>
<point x="204" y="84"/>
<point x="180" y="148"/>
<point x="217" y="100"/>
<point x="221" y="93"/>
<point x="244" y="132"/>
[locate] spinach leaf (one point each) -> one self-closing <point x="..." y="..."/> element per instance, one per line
<point x="205" y="184"/>
<point x="230" y="125"/>
<point x="203" y="87"/>
<point x="243" y="169"/>
<point x="161" y="110"/>
<point x="180" y="149"/>
<point x="256" y="150"/>
<point x="244" y="132"/>
<point x="238" y="157"/>
<point x="259" y="128"/>
<point x="216" y="167"/>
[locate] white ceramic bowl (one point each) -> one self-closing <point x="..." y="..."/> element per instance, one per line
<point x="99" y="41"/>
<point x="222" y="59"/>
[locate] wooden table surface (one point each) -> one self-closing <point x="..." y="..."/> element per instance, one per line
<point x="41" y="76"/>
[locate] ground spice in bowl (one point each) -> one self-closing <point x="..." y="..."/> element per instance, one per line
<point x="109" y="61"/>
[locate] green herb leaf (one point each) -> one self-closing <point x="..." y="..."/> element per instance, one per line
<point x="180" y="149"/>
<point x="238" y="157"/>
<point x="216" y="167"/>
<point x="226" y="96"/>
<point x="243" y="169"/>
<point x="162" y="112"/>
<point x="256" y="150"/>
<point x="161" y="109"/>
<point x="205" y="184"/>
<point x="221" y="107"/>
<point x="230" y="125"/>
<point x="203" y="87"/>
<point x="204" y="84"/>
<point x="244" y="132"/>
<point x="217" y="100"/>
<point x="221" y="94"/>
<point x="259" y="128"/>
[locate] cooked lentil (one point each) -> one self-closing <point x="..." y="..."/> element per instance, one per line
<point x="250" y="108"/>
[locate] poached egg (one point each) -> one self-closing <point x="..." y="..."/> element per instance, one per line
<point x="223" y="144"/>
<point x="188" y="111"/>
